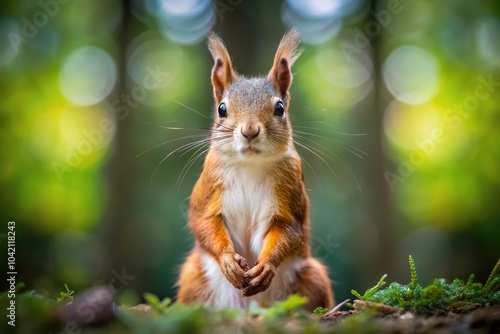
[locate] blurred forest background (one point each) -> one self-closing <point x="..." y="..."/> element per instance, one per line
<point x="400" y="98"/>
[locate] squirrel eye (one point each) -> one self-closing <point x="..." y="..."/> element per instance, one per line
<point x="279" y="110"/>
<point x="222" y="110"/>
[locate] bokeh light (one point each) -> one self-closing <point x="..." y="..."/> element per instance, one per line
<point x="411" y="74"/>
<point x="185" y="22"/>
<point x="155" y="66"/>
<point x="88" y="75"/>
<point x="8" y="27"/>
<point x="422" y="130"/>
<point x="406" y="124"/>
<point x="318" y="20"/>
<point x="350" y="79"/>
<point x="87" y="128"/>
<point x="488" y="37"/>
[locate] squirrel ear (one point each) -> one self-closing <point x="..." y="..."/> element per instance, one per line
<point x="280" y="74"/>
<point x="223" y="74"/>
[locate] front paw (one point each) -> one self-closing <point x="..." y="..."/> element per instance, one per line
<point x="260" y="278"/>
<point x="234" y="266"/>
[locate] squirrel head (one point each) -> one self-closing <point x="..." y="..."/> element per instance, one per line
<point x="251" y="118"/>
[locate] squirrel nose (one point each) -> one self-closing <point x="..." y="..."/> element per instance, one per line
<point x="250" y="132"/>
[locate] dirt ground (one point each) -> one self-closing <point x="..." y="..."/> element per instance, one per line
<point x="470" y="319"/>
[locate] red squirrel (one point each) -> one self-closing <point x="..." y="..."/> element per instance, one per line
<point x="249" y="209"/>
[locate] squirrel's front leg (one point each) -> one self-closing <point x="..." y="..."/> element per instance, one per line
<point x="207" y="224"/>
<point x="282" y="240"/>
<point x="214" y="239"/>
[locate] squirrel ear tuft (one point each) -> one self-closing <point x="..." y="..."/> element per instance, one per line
<point x="280" y="74"/>
<point x="223" y="74"/>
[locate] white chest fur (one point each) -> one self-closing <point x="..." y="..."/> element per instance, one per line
<point x="248" y="205"/>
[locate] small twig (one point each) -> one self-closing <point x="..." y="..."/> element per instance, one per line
<point x="336" y="308"/>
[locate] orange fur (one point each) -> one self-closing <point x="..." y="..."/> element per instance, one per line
<point x="194" y="285"/>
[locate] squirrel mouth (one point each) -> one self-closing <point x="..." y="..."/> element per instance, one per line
<point x="249" y="150"/>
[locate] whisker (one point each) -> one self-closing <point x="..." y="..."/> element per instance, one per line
<point x="183" y="147"/>
<point x="324" y="123"/>
<point x="196" y="145"/>
<point x="294" y="115"/>
<point x="156" y="168"/>
<point x="190" y="163"/>
<point x="303" y="158"/>
<point x="179" y="128"/>
<point x="197" y="129"/>
<point x="193" y="145"/>
<point x="312" y="150"/>
<point x="356" y="151"/>
<point x="199" y="113"/>
<point x="312" y="141"/>
<point x="190" y="145"/>
<point x="315" y="121"/>
<point x="168" y="142"/>
<point x="349" y="171"/>
<point x="194" y="110"/>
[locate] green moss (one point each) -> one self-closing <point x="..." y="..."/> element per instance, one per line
<point x="288" y="307"/>
<point x="65" y="295"/>
<point x="320" y="310"/>
<point x="414" y="278"/>
<point x="159" y="306"/>
<point x="493" y="282"/>
<point x="438" y="297"/>
<point x="370" y="292"/>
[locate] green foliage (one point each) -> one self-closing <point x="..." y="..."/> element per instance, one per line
<point x="278" y="309"/>
<point x="156" y="304"/>
<point x="414" y="279"/>
<point x="438" y="297"/>
<point x="320" y="310"/>
<point x="179" y="318"/>
<point x="493" y="279"/>
<point x="176" y="318"/>
<point x="370" y="292"/>
<point x="19" y="286"/>
<point x="68" y="295"/>
<point x="34" y="312"/>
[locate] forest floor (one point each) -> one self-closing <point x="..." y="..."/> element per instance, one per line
<point x="473" y="318"/>
<point x="441" y="307"/>
<point x="365" y="318"/>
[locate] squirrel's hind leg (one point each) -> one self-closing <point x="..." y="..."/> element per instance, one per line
<point x="192" y="282"/>
<point x="313" y="283"/>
